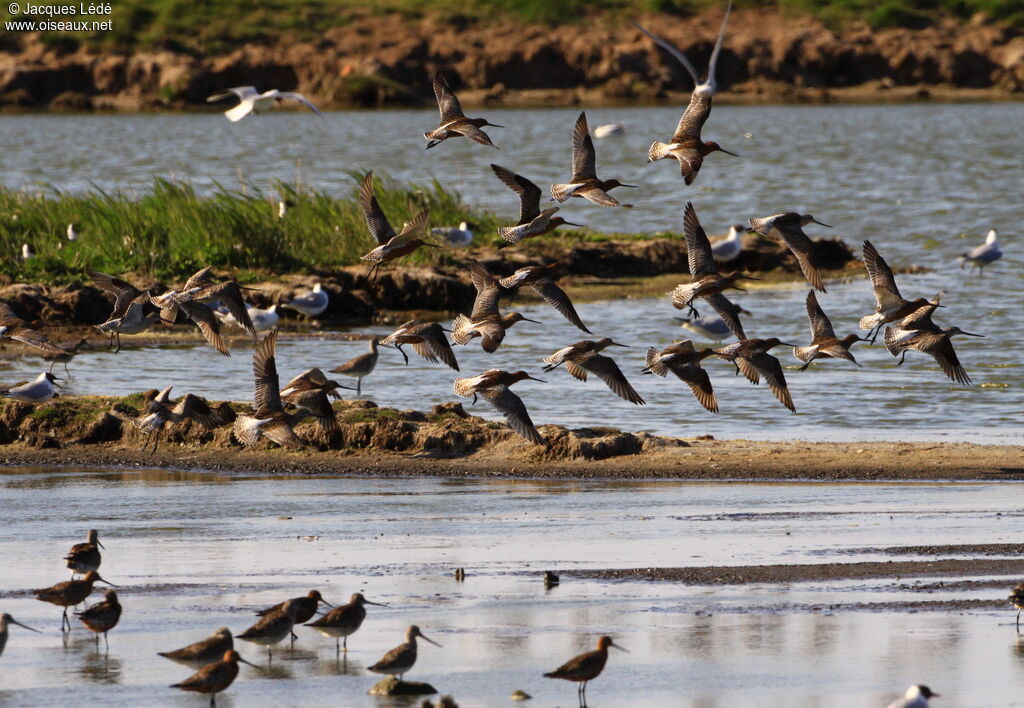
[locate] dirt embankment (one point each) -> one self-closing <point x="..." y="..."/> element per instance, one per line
<point x="447" y="441"/>
<point x="401" y="290"/>
<point x="388" y="59"/>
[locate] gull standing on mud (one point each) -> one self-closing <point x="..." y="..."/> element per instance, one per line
<point x="985" y="254"/>
<point x="13" y="327"/>
<point x="788" y="228"/>
<point x="493" y="385"/>
<point x="485" y="321"/>
<point x="583" y="357"/>
<point x="40" y="390"/>
<point x="532" y="221"/>
<point x="915" y="697"/>
<point x="311" y="303"/>
<point x="454" y="122"/>
<point x="83" y="557"/>
<point x="427" y="340"/>
<point x="683" y="360"/>
<point x="103" y="616"/>
<point x="360" y="366"/>
<point x="705" y="280"/>
<point x="824" y="343"/>
<point x="584" y="182"/>
<point x="252" y="101"/>
<point x="262" y="319"/>
<point x="343" y="620"/>
<point x="390" y="245"/>
<point x="686" y="145"/>
<point x="541" y="279"/>
<point x="402" y="658"/>
<point x="891" y="306"/>
<point x="214" y="678"/>
<point x="5" y="621"/>
<point x="752" y="359"/>
<point x="459" y="236"/>
<point x="585" y="667"/>
<point x="268" y="419"/>
<point x="204" y="651"/>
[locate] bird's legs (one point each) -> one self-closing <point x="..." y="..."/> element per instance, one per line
<point x="902" y="357"/>
<point x="64" y="620"/>
<point x="404" y="355"/>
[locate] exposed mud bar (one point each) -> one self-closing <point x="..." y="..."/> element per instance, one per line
<point x="97" y="431"/>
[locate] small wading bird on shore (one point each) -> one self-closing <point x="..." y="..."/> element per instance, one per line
<point x="252" y="101"/>
<point x="69" y="354"/>
<point x="343" y="620"/>
<point x="493" y="385"/>
<point x="752" y="359"/>
<point x="83" y="557"/>
<point x="204" y="651"/>
<point x="103" y="616"/>
<point x="584" y="182"/>
<point x="686" y="145"/>
<point x="272" y="628"/>
<point x="683" y="360"/>
<point x="427" y="340"/>
<point x="390" y="245"/>
<point x="402" y="658"/>
<point x="305" y="607"/>
<point x="485" y="321"/>
<point x="214" y="678"/>
<point x="1017" y="598"/>
<point x="454" y="122"/>
<point x="5" y="621"/>
<point x="583" y="357"/>
<point x="788" y="228"/>
<point x="532" y="221"/>
<point x="585" y="667"/>
<point x="985" y="254"/>
<point x="129" y="315"/>
<point x="824" y="343"/>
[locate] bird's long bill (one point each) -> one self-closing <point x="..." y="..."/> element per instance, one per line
<point x="243" y="661"/>
<point x="821" y="223"/>
<point x="787" y="344"/>
<point x="972" y="335"/>
<point x="570" y="223"/>
<point x="101" y="580"/>
<point x="378" y="604"/>
<point x="431" y="245"/>
<point x="620" y="648"/>
<point x="527" y="319"/>
<point x="14" y="621"/>
<point x="721" y="149"/>
<point x="495" y="125"/>
<point x="634" y="186"/>
<point x="324" y="602"/>
<point x="100" y="544"/>
<point x="616" y="344"/>
<point x="431" y="641"/>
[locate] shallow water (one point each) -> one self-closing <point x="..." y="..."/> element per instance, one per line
<point x="911" y="178"/>
<point x="193" y="551"/>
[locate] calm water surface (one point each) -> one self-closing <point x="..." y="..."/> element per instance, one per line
<point x="193" y="551"/>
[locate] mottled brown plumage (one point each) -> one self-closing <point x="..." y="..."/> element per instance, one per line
<point x="683" y="360"/>
<point x="69" y="593"/>
<point x="584" y="182"/>
<point x="454" y="122"/>
<point x="493" y="385"/>
<point x="214" y="678"/>
<point x="585" y="667"/>
<point x="103" y="616"/>
<point x="343" y="620"/>
<point x="205" y="651"/>
<point x="84" y="557"/>
<point x="402" y="658"/>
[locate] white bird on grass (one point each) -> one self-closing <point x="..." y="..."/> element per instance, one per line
<point x="252" y="101"/>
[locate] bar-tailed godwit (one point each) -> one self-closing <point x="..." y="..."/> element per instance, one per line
<point x="454" y="122"/>
<point x="583" y="357"/>
<point x="402" y="658"/>
<point x="493" y="385"/>
<point x="585" y="667"/>
<point x="584" y="182"/>
<point x="343" y="620"/>
<point x="532" y="221"/>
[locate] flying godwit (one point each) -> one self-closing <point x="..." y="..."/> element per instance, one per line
<point x="705" y="280"/>
<point x="103" y="616"/>
<point x="585" y="667"/>
<point x="918" y="332"/>
<point x="343" y="620"/>
<point x="532" y="221"/>
<point x="427" y="340"/>
<point x="272" y="628"/>
<point x="985" y="254"/>
<point x="686" y="145"/>
<point x="268" y="419"/>
<point x="1017" y="598"/>
<point x="752" y="359"/>
<point x="5" y="621"/>
<point x="683" y="360"/>
<point x="39" y="390"/>
<point x="69" y="593"/>
<point x="13" y="327"/>
<point x="204" y="289"/>
<point x="402" y="658"/>
<point x="389" y="244"/>
<point x="485" y="321"/>
<point x="541" y="279"/>
<point x="311" y="303"/>
<point x="824" y="343"/>
<point x="915" y="697"/>
<point x="205" y="651"/>
<point x="202" y="315"/>
<point x="584" y="182"/>
<point x="360" y="366"/>
<point x="252" y="101"/>
<point x="311" y="392"/>
<point x="583" y="357"/>
<point x="160" y="412"/>
<point x="84" y="557"/>
<point x="129" y="315"/>
<point x="891" y="306"/>
<point x="493" y="385"/>
<point x="788" y="228"/>
<point x="454" y="122"/>
<point x="214" y="678"/>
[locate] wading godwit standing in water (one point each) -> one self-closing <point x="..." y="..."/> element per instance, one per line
<point x="493" y="385"/>
<point x="214" y="678"/>
<point x="305" y="607"/>
<point x="788" y="228"/>
<point x="541" y="279"/>
<point x="69" y="593"/>
<point x="84" y="557"/>
<point x="985" y="254"/>
<point x="360" y="366"/>
<point x="1017" y="598"/>
<point x="5" y="621"/>
<point x="252" y="101"/>
<point x="683" y="360"/>
<point x="427" y="340"/>
<point x="686" y="145"/>
<point x="389" y="244"/>
<point x="585" y="667"/>
<point x="915" y="697"/>
<point x="343" y="620"/>
<point x="272" y="628"/>
<point x="485" y="321"/>
<point x="824" y="343"/>
<point x="583" y="357"/>
<point x="891" y="306"/>
<point x="268" y="419"/>
<point x="532" y="221"/>
<point x="752" y="359"/>
<point x="103" y="616"/>
<point x="705" y="280"/>
<point x="69" y="354"/>
<point x="584" y="182"/>
<point x="402" y="658"/>
<point x="205" y="651"/>
<point x="454" y="122"/>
